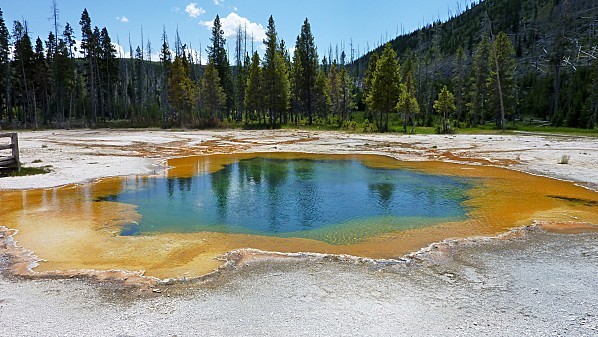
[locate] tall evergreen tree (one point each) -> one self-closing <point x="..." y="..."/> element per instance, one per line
<point x="69" y="39"/>
<point x="165" y="62"/>
<point x="212" y="94"/>
<point x="240" y="74"/>
<point x="478" y="77"/>
<point x="296" y="103"/>
<point x="368" y="81"/>
<point x="217" y="53"/>
<point x="182" y="92"/>
<point x="89" y="47"/>
<point x="64" y="75"/>
<point x="108" y="70"/>
<point x="501" y="83"/>
<point x="593" y="115"/>
<point x="459" y="80"/>
<point x="275" y="77"/>
<point x="253" y="92"/>
<point x="384" y="93"/>
<point x="334" y="89"/>
<point x="306" y="63"/>
<point x="24" y="72"/>
<point x="4" y="69"/>
<point x="407" y="104"/>
<point x="41" y="83"/>
<point x="347" y="94"/>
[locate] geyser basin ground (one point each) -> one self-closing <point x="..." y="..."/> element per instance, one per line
<point x="89" y="226"/>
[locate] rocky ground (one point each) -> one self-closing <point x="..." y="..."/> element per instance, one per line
<point x="543" y="285"/>
<point x="539" y="284"/>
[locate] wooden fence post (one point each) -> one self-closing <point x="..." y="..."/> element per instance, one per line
<point x="15" y="149"/>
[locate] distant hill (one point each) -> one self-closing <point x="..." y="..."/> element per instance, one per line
<point x="556" y="42"/>
<point x="532" y="25"/>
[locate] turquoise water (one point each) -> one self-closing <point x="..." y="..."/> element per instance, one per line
<point x="336" y="201"/>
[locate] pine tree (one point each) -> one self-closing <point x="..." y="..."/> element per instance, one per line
<point x="4" y="69"/>
<point x="459" y="81"/>
<point x="41" y="81"/>
<point x="275" y="77"/>
<point x="253" y="92"/>
<point x="322" y="100"/>
<point x="347" y="94"/>
<point x="593" y="116"/>
<point x="501" y="83"/>
<point x="212" y="94"/>
<point x="407" y="104"/>
<point x="296" y="101"/>
<point x="24" y="72"/>
<point x="63" y="75"/>
<point x="89" y="46"/>
<point x="182" y="92"/>
<point x="97" y="93"/>
<point x="165" y="61"/>
<point x="240" y="77"/>
<point x="477" y="96"/>
<point x="217" y="54"/>
<point x="108" y="70"/>
<point x="69" y="39"/>
<point x="306" y="63"/>
<point x="368" y="80"/>
<point x="334" y="86"/>
<point x="384" y="93"/>
<point x="139" y="78"/>
<point x="445" y="106"/>
<point x="282" y="78"/>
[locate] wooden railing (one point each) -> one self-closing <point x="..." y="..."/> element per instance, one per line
<point x="13" y="160"/>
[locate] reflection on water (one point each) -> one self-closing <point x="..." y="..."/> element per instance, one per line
<point x="294" y="197"/>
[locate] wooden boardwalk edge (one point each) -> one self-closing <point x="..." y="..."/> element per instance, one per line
<point x="12" y="161"/>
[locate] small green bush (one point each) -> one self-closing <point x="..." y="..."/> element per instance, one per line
<point x="369" y="127"/>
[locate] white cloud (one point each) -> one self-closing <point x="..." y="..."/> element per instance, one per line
<point x="122" y="19"/>
<point x="120" y="50"/>
<point x="193" y="10"/>
<point x="233" y="21"/>
<point x="218" y="2"/>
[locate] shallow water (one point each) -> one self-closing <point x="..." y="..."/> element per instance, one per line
<point x="81" y="226"/>
<point x="336" y="201"/>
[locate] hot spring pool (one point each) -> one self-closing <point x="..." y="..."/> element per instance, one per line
<point x="336" y="201"/>
<point x="176" y="223"/>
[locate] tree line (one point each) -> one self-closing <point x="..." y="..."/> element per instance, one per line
<point x="52" y="83"/>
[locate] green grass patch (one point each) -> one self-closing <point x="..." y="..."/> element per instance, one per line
<point x="26" y="171"/>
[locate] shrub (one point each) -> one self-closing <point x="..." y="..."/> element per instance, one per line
<point x="369" y="127"/>
<point x="349" y="125"/>
<point x="564" y="159"/>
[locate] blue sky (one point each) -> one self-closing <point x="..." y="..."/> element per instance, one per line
<point x="333" y="22"/>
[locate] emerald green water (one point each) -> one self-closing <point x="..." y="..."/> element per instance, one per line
<point x="336" y="201"/>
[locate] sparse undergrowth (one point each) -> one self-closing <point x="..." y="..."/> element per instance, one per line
<point x="564" y="159"/>
<point x="26" y="171"/>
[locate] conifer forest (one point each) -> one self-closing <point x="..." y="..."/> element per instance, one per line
<point x="494" y="64"/>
